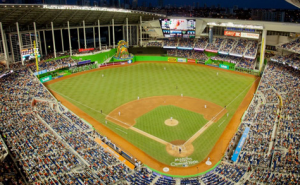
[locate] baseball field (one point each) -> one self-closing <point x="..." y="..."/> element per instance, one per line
<point x="174" y="113"/>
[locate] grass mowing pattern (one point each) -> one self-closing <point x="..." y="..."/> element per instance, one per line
<point x="125" y="84"/>
<point x="153" y="123"/>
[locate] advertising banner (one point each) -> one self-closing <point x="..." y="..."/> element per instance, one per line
<point x="241" y="34"/>
<point x="191" y="61"/>
<point x="250" y="35"/>
<point x="84" y="62"/>
<point x="232" y="33"/>
<point x="40" y="72"/>
<point x="240" y="145"/>
<point x="171" y="59"/>
<point x="87" y="49"/>
<point x="46" y="79"/>
<point x="223" y="66"/>
<point x="181" y="59"/>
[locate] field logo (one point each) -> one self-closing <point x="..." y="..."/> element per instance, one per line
<point x="223" y="66"/>
<point x="181" y="59"/>
<point x="171" y="59"/>
<point x="185" y="161"/>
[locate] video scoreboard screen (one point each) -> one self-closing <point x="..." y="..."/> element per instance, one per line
<point x="28" y="54"/>
<point x="178" y="27"/>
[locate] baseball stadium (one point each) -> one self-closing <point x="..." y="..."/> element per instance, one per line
<point x="94" y="95"/>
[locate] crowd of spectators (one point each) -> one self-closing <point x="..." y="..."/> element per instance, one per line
<point x="251" y="49"/>
<point x="198" y="55"/>
<point x="184" y="53"/>
<point x="240" y="47"/>
<point x="54" y="64"/>
<point x="187" y="43"/>
<point x="172" y="52"/>
<point x="227" y="45"/>
<point x="293" y="46"/>
<point x="171" y="43"/>
<point x="154" y="44"/>
<point x="292" y="60"/>
<point x="201" y="43"/>
<point x="246" y="63"/>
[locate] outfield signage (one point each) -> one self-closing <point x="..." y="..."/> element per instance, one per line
<point x="191" y="61"/>
<point x="171" y="59"/>
<point x="240" y="145"/>
<point x="223" y="66"/>
<point x="181" y="59"/>
<point x="46" y="79"/>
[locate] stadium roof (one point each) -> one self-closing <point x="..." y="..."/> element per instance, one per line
<point x="43" y="15"/>
<point x="294" y="2"/>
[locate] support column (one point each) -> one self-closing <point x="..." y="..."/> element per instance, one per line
<point x="137" y="35"/>
<point x="69" y="35"/>
<point x="31" y="43"/>
<point x="94" y="37"/>
<point x="40" y="44"/>
<point x="113" y="31"/>
<point x="62" y="40"/>
<point x="84" y="36"/>
<point x="4" y="44"/>
<point x="108" y="36"/>
<point x="53" y="40"/>
<point x="78" y="38"/>
<point x="123" y="31"/>
<point x="127" y="31"/>
<point x="11" y="49"/>
<point x="45" y="44"/>
<point x="130" y="35"/>
<point x="99" y="36"/>
<point x="262" y="50"/>
<point x="35" y="38"/>
<point x="210" y="34"/>
<point x="20" y="41"/>
<point x="141" y="32"/>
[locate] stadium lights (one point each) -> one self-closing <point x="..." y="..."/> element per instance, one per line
<point x="69" y="7"/>
<point x="230" y="24"/>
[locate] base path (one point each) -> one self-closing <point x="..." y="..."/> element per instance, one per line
<point x="132" y="110"/>
<point x="215" y="155"/>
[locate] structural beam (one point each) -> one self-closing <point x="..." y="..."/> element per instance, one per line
<point x="62" y="40"/>
<point x="4" y="44"/>
<point x="113" y="31"/>
<point x="99" y="36"/>
<point x="262" y="50"/>
<point x="108" y="36"/>
<point x="20" y="41"/>
<point x="127" y="31"/>
<point x="40" y="44"/>
<point x="35" y="36"/>
<point x="78" y="38"/>
<point x="45" y="44"/>
<point x="53" y="40"/>
<point x="84" y="36"/>
<point x="11" y="49"/>
<point x="69" y="35"/>
<point x="141" y="32"/>
<point x="94" y="37"/>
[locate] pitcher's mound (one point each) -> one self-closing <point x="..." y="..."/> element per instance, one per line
<point x="172" y="122"/>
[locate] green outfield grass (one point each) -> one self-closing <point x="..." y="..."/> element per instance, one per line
<point x="153" y="123"/>
<point x="91" y="93"/>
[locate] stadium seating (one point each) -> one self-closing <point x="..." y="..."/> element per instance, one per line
<point x="62" y="149"/>
<point x="154" y="44"/>
<point x="293" y="46"/>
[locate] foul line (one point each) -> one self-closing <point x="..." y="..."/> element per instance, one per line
<point x="210" y="122"/>
<point x="91" y="108"/>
